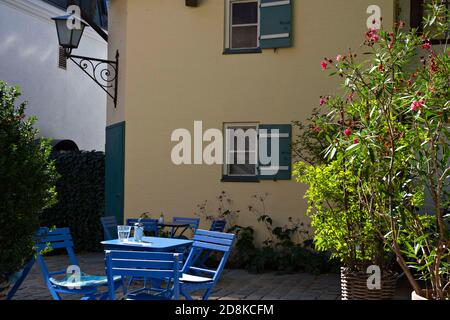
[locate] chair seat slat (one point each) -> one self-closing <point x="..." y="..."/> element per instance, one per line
<point x="221" y="235"/>
<point x="55" y="238"/>
<point x="145" y="273"/>
<point x="207" y="239"/>
<point x="211" y="246"/>
<point x="166" y="265"/>
<point x="203" y="270"/>
<point x="54" y="245"/>
<point x="139" y="255"/>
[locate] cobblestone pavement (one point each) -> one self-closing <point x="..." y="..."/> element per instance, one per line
<point x="234" y="285"/>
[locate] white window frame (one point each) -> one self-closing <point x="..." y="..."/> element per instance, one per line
<point x="229" y="25"/>
<point x="243" y="125"/>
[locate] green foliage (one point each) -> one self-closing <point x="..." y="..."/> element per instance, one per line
<point x="342" y="226"/>
<point x="222" y="209"/>
<point x="389" y="135"/>
<point x="310" y="141"/>
<point x="283" y="256"/>
<point x="285" y="249"/>
<point x="81" y="190"/>
<point x="27" y="182"/>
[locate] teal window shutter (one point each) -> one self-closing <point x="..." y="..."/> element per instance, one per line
<point x="269" y="171"/>
<point x="276" y="24"/>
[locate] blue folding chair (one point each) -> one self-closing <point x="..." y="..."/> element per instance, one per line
<point x="194" y="223"/>
<point x="196" y="278"/>
<point x="69" y="280"/>
<point x="150" y="225"/>
<point x="109" y="227"/>
<point x="218" y="225"/>
<point x="164" y="267"/>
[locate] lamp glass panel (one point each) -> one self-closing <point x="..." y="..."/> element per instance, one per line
<point x="64" y="33"/>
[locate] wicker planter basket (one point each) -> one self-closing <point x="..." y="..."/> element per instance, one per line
<point x="354" y="286"/>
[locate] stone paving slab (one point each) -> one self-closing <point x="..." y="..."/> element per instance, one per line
<point x="234" y="284"/>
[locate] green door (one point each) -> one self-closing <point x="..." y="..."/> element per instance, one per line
<point x="115" y="170"/>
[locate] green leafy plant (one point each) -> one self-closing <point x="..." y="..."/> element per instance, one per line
<point x="81" y="192"/>
<point x="223" y="209"/>
<point x="342" y="226"/>
<point x="285" y="249"/>
<point x="27" y="182"/>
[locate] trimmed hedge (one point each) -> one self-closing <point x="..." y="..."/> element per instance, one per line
<point x="81" y="197"/>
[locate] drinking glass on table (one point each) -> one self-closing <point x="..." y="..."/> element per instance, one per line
<point x="123" y="232"/>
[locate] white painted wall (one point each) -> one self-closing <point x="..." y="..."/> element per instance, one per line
<point x="67" y="103"/>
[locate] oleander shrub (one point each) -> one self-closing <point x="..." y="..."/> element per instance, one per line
<point x="81" y="190"/>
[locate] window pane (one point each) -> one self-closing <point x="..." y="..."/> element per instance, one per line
<point x="243" y="156"/>
<point x="244" y="37"/>
<point x="245" y="12"/>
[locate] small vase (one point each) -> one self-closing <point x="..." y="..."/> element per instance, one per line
<point x="138" y="233"/>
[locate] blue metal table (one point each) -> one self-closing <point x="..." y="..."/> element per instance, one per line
<point x="154" y="244"/>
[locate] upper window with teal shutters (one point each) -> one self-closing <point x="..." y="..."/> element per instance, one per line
<point x="252" y="25"/>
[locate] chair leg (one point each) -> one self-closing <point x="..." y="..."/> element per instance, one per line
<point x="55" y="294"/>
<point x="19" y="281"/>
<point x="207" y="294"/>
<point x="185" y="294"/>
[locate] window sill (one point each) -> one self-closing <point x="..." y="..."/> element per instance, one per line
<point x="240" y="179"/>
<point x="241" y="51"/>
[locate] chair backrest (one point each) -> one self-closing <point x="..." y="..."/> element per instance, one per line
<point x="218" y="225"/>
<point x="109" y="227"/>
<point x="54" y="239"/>
<point x="150" y="225"/>
<point x="154" y="265"/>
<point x="193" y="222"/>
<point x="211" y="241"/>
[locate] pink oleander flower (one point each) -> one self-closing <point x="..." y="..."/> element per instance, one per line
<point x="324" y="64"/>
<point x="339" y="58"/>
<point x="350" y="97"/>
<point x="416" y="105"/>
<point x="355" y="141"/>
<point x="372" y="35"/>
<point x="348" y="132"/>
<point x="426" y="45"/>
<point x="322" y="101"/>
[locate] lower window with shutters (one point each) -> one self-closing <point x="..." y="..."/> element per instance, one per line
<point x="255" y="152"/>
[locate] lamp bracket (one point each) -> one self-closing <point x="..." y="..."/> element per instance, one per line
<point x="105" y="73"/>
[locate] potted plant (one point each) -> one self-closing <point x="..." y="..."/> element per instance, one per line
<point x="346" y="229"/>
<point x="388" y="135"/>
<point x="27" y="185"/>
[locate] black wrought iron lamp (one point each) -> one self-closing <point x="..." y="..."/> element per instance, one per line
<point x="105" y="73"/>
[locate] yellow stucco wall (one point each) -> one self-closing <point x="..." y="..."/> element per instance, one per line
<point x="173" y="72"/>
